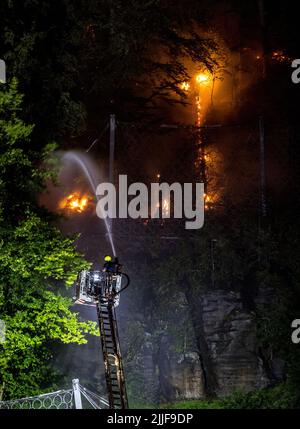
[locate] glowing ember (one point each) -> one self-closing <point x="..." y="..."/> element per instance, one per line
<point x="74" y="202"/>
<point x="166" y="208"/>
<point x="185" y="86"/>
<point x="207" y="202"/>
<point x="198" y="110"/>
<point x="280" y="57"/>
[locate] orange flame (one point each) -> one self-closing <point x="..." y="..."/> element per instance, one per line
<point x="185" y="86"/>
<point x="280" y="57"/>
<point x="74" y="202"/>
<point x="203" y="78"/>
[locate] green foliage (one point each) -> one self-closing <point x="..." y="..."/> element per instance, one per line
<point x="39" y="42"/>
<point x="283" y="396"/>
<point x="25" y="355"/>
<point x="35" y="259"/>
<point x="194" y="405"/>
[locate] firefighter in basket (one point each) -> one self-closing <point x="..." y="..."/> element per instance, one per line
<point x="113" y="269"/>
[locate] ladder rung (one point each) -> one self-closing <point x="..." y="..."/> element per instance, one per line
<point x="109" y="339"/>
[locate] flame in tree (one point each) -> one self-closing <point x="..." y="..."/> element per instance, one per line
<point x="203" y="78"/>
<point x="198" y="88"/>
<point x="281" y="56"/>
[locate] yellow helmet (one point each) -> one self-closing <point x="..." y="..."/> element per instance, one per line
<point x="107" y="258"/>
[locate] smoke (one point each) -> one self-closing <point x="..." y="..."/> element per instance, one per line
<point x="79" y="174"/>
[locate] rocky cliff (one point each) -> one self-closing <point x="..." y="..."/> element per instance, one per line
<point x="162" y="372"/>
<point x="230" y="335"/>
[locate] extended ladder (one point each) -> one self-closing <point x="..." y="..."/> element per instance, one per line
<point x="114" y="372"/>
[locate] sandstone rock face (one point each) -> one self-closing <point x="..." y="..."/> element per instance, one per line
<point x="231" y="337"/>
<point x="159" y="373"/>
<point x="230" y="334"/>
<point x="186" y="377"/>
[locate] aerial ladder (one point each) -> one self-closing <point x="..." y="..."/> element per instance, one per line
<point x="102" y="290"/>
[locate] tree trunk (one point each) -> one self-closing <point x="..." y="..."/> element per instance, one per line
<point x="1" y="391"/>
<point x="195" y="307"/>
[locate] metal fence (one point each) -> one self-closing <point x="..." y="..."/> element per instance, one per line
<point x="78" y="397"/>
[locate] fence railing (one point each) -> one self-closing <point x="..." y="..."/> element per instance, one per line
<point x="78" y="397"/>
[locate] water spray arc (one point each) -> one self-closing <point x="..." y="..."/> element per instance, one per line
<point x="79" y="160"/>
<point x="102" y="289"/>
